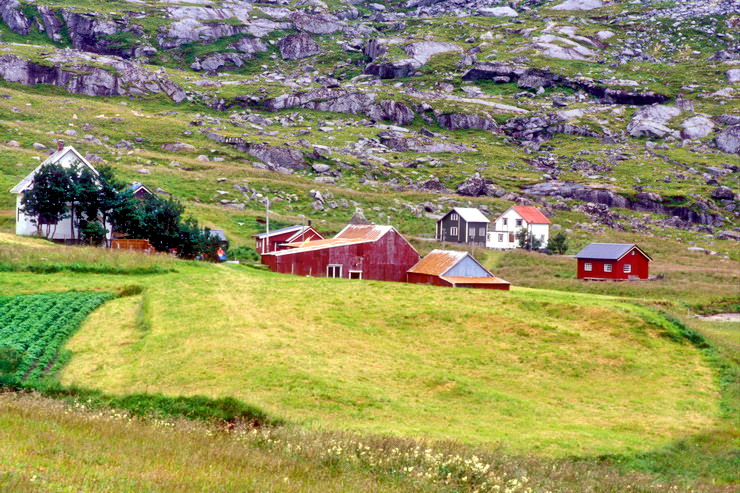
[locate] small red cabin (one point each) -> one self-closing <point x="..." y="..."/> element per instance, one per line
<point x="275" y="241"/>
<point x="613" y="261"/>
<point x="372" y="252"/>
<point x="454" y="269"/>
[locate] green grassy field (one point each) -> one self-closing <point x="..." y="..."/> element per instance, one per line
<point x="532" y="370"/>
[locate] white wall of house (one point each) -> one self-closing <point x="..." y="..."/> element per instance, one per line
<point x="502" y="234"/>
<point x="26" y="225"/>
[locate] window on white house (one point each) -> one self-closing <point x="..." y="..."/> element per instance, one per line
<point x="588" y="267"/>
<point x="518" y="222"/>
<point x="504" y="222"/>
<point x="334" y="271"/>
<point x="627" y="268"/>
<point x="607" y="267"/>
<point x="454" y="217"/>
<point x="500" y="238"/>
<point x="453" y="231"/>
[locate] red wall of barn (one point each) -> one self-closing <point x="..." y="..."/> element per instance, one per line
<point x="387" y="259"/>
<point x="640" y="267"/>
<point x="415" y="278"/>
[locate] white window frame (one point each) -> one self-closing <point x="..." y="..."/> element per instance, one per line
<point x="607" y="267"/>
<point x="504" y="222"/>
<point x="519" y="222"/>
<point x="588" y="267"/>
<point x="627" y="268"/>
<point x="354" y="272"/>
<point x="454" y="217"/>
<point x="329" y="268"/>
<point x="482" y="231"/>
<point x="453" y="231"/>
<point x="500" y="237"/>
<point x="471" y="232"/>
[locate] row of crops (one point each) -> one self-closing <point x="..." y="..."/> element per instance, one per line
<point x="36" y="326"/>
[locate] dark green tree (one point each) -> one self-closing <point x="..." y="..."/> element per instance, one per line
<point x="47" y="200"/>
<point x="558" y="244"/>
<point x="527" y="240"/>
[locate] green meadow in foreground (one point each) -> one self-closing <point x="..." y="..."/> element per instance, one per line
<point x="538" y="371"/>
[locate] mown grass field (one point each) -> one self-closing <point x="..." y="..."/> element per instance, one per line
<point x="531" y="370"/>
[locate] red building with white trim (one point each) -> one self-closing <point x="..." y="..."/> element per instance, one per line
<point x="370" y="252"/>
<point x="613" y="261"/>
<point x="277" y="240"/>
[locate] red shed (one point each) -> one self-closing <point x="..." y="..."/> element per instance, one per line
<point x="278" y="239"/>
<point x="454" y="269"/>
<point x="377" y="253"/>
<point x="613" y="261"/>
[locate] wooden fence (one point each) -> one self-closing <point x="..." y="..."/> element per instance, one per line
<point x="133" y="245"/>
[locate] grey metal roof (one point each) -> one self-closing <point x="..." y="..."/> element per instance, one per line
<point x="281" y="231"/>
<point x="607" y="251"/>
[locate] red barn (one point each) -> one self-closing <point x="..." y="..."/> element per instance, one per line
<point x="372" y="252"/>
<point x="613" y="261"/>
<point x="278" y="239"/>
<point x="454" y="269"/>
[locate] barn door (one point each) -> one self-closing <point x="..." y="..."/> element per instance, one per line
<point x="355" y="274"/>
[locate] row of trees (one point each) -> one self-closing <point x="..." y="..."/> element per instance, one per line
<point x="98" y="202"/>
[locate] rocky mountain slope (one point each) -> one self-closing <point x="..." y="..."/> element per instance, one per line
<point x="607" y="114"/>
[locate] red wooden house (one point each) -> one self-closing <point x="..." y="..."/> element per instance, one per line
<point x="371" y="252"/>
<point x="454" y="269"/>
<point x="613" y="261"/>
<point x="278" y="239"/>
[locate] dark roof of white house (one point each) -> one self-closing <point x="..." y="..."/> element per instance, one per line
<point x="608" y="251"/>
<point x="219" y="233"/>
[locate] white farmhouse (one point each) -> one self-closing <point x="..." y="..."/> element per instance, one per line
<point x="508" y="224"/>
<point x="26" y="225"/>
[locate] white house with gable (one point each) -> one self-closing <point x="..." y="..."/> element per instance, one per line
<point x="503" y="234"/>
<point x="27" y="225"/>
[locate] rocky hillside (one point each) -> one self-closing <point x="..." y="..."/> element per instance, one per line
<point x="608" y="114"/>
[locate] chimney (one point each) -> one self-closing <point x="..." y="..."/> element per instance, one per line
<point x="60" y="145"/>
<point x="309" y="222"/>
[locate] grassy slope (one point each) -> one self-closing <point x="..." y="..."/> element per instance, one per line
<point x="553" y="372"/>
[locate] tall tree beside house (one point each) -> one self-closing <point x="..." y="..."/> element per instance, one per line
<point x="558" y="244"/>
<point x="527" y="240"/>
<point x="48" y="199"/>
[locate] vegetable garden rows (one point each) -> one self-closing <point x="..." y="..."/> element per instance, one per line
<point x="37" y="325"/>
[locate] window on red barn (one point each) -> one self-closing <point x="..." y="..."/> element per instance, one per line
<point x="588" y="267"/>
<point x="607" y="267"/>
<point x="627" y="268"/>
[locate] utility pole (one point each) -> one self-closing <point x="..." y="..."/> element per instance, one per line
<point x="266" y="243"/>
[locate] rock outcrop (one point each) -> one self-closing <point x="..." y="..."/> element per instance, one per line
<point x="416" y="143"/>
<point x="297" y="46"/>
<point x="83" y="73"/>
<point x="278" y="158"/>
<point x="529" y="78"/>
<point x="570" y="190"/>
<point x="343" y="101"/>
<point x="464" y="121"/>
<point x="651" y="121"/>
<point x="729" y="140"/>
<point x="579" y="5"/>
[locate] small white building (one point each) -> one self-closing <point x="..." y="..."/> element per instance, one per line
<point x="26" y="225"/>
<point x="515" y="218"/>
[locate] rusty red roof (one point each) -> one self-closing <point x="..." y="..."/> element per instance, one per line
<point x="351" y="234"/>
<point x="475" y="280"/>
<point x="531" y="214"/>
<point x="438" y="262"/>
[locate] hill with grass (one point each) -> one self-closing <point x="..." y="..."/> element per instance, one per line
<point x="618" y="119"/>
